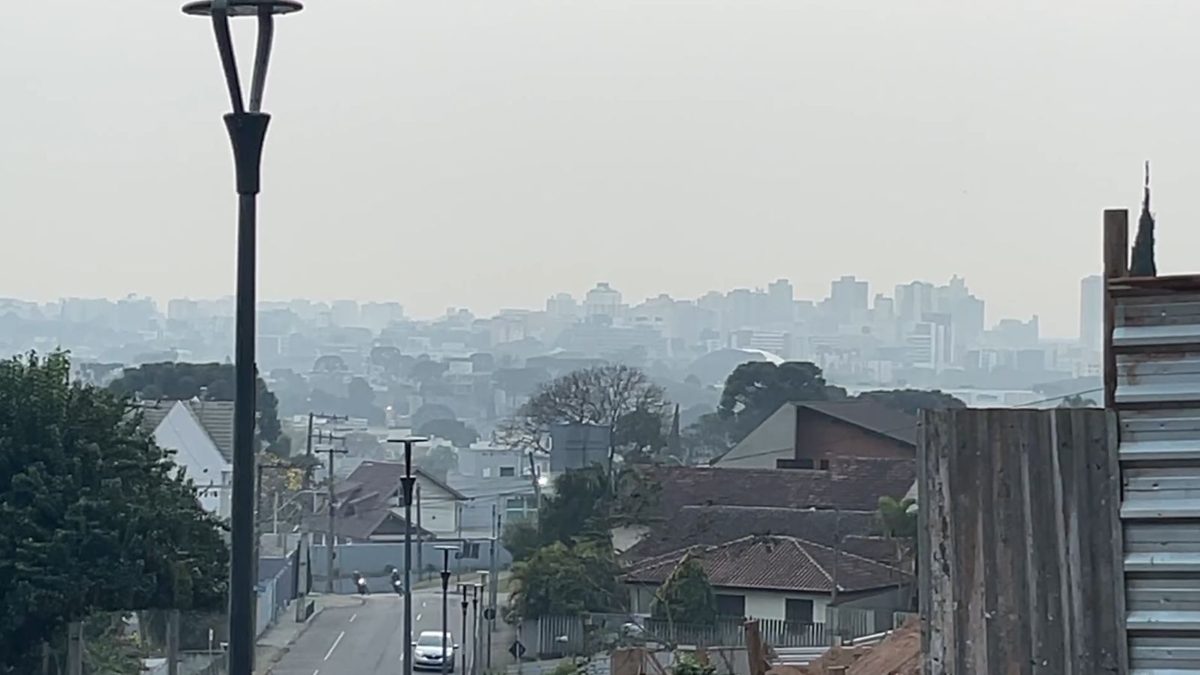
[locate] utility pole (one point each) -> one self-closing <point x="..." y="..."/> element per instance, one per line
<point x="406" y="496"/>
<point x="493" y="578"/>
<point x="330" y="555"/>
<point x="462" y="589"/>
<point x="420" y="533"/>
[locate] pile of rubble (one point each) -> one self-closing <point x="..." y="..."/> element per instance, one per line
<point x="898" y="654"/>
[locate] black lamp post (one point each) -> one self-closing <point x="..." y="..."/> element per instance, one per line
<point x="406" y="496"/>
<point x="445" y="601"/>
<point x="247" y="128"/>
<point x="462" y="590"/>
<point x="476" y="591"/>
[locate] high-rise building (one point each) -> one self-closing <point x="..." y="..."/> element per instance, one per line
<point x="603" y="300"/>
<point x="562" y="306"/>
<point x="780" y="300"/>
<point x="1091" y="312"/>
<point x="848" y="298"/>
<point x="914" y="301"/>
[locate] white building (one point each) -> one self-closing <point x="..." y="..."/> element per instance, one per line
<point x="199" y="434"/>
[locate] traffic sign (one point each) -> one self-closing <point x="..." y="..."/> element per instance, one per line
<point x="489" y="613"/>
<point x="517" y="649"/>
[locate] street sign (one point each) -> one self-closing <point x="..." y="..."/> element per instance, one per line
<point x="489" y="613"/>
<point x="517" y="649"/>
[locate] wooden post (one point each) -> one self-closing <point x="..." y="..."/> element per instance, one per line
<point x="75" y="648"/>
<point x="173" y="642"/>
<point x="1116" y="266"/>
<point x="754" y="649"/>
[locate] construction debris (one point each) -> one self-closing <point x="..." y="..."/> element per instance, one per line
<point x="898" y="654"/>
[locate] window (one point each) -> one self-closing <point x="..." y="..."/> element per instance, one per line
<point x="731" y="605"/>
<point x="800" y="611"/>
<point x="508" y="471"/>
<point x="823" y="464"/>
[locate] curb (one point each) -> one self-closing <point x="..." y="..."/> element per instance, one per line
<point x="270" y="666"/>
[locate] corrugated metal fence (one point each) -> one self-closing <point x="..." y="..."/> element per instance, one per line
<point x="1020" y="542"/>
<point x="1152" y="377"/>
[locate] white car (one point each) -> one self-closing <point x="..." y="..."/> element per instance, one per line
<point x="427" y="651"/>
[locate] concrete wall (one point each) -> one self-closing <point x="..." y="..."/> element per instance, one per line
<point x="759" y="604"/>
<point x="821" y="437"/>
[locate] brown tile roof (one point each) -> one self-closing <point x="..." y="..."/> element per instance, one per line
<point x="775" y="563"/>
<point x="366" y="498"/>
<point x="215" y="416"/>
<point x="850" y="484"/>
<point x="869" y="415"/>
<point x="712" y="525"/>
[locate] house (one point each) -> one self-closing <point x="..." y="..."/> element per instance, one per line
<point x="199" y="436"/>
<point x="775" y="577"/>
<point x="850" y="487"/>
<point x="513" y="499"/>
<point x="484" y="460"/>
<point x="810" y="434"/>
<point x="368" y="505"/>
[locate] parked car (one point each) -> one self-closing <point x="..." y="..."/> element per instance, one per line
<point x="427" y="651"/>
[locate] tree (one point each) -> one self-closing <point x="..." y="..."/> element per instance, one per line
<point x="898" y="522"/>
<point x="437" y="462"/>
<point x="618" y="396"/>
<point x="431" y="411"/>
<point x="686" y="596"/>
<point x="208" y="381"/>
<point x="913" y="400"/>
<point x="361" y="401"/>
<point x="755" y="390"/>
<point x="1141" y="263"/>
<point x="521" y="539"/>
<point x="567" y="580"/>
<point x="93" y="516"/>
<point x="705" y="438"/>
<point x="455" y="431"/>
<point x="579" y="510"/>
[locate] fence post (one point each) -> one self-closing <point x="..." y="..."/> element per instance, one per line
<point x="173" y="642"/>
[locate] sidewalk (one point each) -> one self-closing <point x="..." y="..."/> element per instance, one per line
<point x="277" y="639"/>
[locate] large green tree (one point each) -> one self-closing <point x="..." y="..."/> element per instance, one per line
<point x="566" y="580"/>
<point x="580" y="509"/>
<point x="212" y="381"/>
<point x="686" y="596"/>
<point x="755" y="390"/>
<point x="93" y="516"/>
<point x="912" y="401"/>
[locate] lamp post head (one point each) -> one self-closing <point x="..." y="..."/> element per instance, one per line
<point x="241" y="7"/>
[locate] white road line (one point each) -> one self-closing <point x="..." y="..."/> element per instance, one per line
<point x="317" y="672"/>
<point x="424" y="603"/>
<point x="418" y="617"/>
<point x="353" y="617"/>
<point x="335" y="644"/>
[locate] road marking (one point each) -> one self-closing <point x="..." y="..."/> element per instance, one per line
<point x="353" y="617"/>
<point x="335" y="644"/>
<point x="418" y="617"/>
<point x="317" y="672"/>
<point x="424" y="603"/>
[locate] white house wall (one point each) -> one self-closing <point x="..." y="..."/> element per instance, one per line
<point x="194" y="451"/>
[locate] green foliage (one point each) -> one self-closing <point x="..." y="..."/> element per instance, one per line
<point x="1141" y="262"/>
<point x="913" y="400"/>
<point x="431" y="411"/>
<point x="456" y="431"/>
<point x="689" y="665"/>
<point x="566" y="580"/>
<point x="1076" y="401"/>
<point x="755" y="390"/>
<point x="580" y="508"/>
<point x="897" y="518"/>
<point x="181" y="381"/>
<point x="706" y="438"/>
<point x="521" y="539"/>
<point x="565" y="667"/>
<point x="93" y="516"/>
<point x="686" y="596"/>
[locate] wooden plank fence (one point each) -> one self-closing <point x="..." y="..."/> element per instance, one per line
<point x="1020" y="542"/>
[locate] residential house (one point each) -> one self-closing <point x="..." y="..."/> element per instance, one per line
<point x="368" y="505"/>
<point x="810" y="434"/>
<point x="775" y="577"/>
<point x="199" y="436"/>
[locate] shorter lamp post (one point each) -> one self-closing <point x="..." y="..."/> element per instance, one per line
<point x="445" y="601"/>
<point x="476" y="592"/>
<point x="462" y="590"/>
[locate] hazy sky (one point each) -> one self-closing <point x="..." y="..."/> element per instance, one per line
<point x="490" y="152"/>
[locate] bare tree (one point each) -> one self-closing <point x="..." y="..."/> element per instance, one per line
<point x="619" y="396"/>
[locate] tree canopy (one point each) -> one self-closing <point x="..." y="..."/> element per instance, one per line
<point x="566" y="580"/>
<point x="686" y="596"/>
<point x="913" y="400"/>
<point x="210" y="381"/>
<point x="457" y="432"/>
<point x="755" y="390"/>
<point x="613" y="395"/>
<point x="93" y="516"/>
<point x="437" y="462"/>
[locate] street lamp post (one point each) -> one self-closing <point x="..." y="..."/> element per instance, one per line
<point x="462" y="590"/>
<point x="247" y="127"/>
<point x="406" y="496"/>
<point x="445" y="602"/>
<point x="476" y="591"/>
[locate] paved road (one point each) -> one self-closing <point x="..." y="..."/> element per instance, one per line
<point x="367" y="638"/>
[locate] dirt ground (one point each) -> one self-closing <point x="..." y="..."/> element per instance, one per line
<point x="899" y="654"/>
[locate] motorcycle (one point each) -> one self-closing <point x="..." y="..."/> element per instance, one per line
<point x="361" y="582"/>
<point x="397" y="582"/>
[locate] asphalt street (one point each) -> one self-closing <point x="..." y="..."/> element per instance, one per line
<point x="367" y="638"/>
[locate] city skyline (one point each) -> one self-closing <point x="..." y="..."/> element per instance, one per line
<point x="771" y="139"/>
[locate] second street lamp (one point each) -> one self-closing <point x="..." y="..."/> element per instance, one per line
<point x="462" y="590"/>
<point x="445" y="602"/>
<point x="247" y="127"/>
<point x="406" y="496"/>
